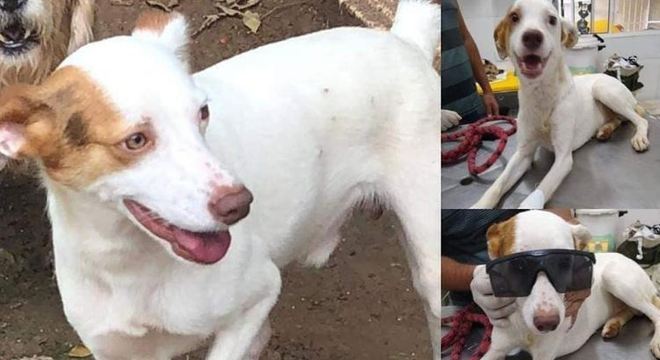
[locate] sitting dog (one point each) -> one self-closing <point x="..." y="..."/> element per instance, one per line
<point x="151" y="171"/>
<point x="36" y="35"/>
<point x="557" y="111"/>
<point x="544" y="324"/>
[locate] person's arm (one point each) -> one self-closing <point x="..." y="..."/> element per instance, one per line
<point x="455" y="276"/>
<point x="492" y="108"/>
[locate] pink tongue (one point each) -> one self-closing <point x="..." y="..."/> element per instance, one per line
<point x="532" y="64"/>
<point x="207" y="248"/>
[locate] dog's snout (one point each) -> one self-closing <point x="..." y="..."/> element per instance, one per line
<point x="11" y="5"/>
<point x="532" y="39"/>
<point x="229" y="204"/>
<point x="546" y="320"/>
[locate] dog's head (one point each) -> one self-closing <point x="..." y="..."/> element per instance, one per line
<point x="35" y="35"/>
<point x="544" y="309"/>
<point x="533" y="34"/>
<point x="121" y="122"/>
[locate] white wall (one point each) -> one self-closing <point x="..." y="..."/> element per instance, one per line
<point x="482" y="16"/>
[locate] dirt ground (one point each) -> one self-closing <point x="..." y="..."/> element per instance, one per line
<point x="360" y="306"/>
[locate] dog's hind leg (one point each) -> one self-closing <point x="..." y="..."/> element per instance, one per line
<point x="412" y="189"/>
<point x="605" y="132"/>
<point x="628" y="282"/>
<point x="616" y="97"/>
<point x="622" y="314"/>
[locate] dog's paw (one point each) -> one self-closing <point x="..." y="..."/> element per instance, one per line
<point x="611" y="329"/>
<point x="535" y="200"/>
<point x="655" y="347"/>
<point x="640" y="142"/>
<point x="604" y="133"/>
<point x="483" y="204"/>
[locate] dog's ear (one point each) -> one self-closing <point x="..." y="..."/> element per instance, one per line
<point x="168" y="29"/>
<point x="569" y="35"/>
<point x="501" y="237"/>
<point x="26" y="123"/>
<point x="501" y="35"/>
<point x="581" y="236"/>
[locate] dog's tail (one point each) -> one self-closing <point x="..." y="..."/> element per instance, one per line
<point x="418" y="22"/>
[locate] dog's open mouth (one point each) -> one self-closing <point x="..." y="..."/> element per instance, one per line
<point x="531" y="65"/>
<point x="15" y="39"/>
<point x="203" y="248"/>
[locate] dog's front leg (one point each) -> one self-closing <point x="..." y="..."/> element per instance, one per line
<point x="246" y="337"/>
<point x="559" y="170"/>
<point x="515" y="169"/>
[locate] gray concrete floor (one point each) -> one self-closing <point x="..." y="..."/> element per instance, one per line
<point x="632" y="343"/>
<point x="604" y="175"/>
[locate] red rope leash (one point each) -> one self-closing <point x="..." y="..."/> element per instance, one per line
<point x="461" y="325"/>
<point x="470" y="141"/>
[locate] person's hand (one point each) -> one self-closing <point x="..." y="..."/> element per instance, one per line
<point x="497" y="309"/>
<point x="492" y="108"/>
<point x="449" y="119"/>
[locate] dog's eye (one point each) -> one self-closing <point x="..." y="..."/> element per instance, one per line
<point x="136" y="141"/>
<point x="553" y="20"/>
<point x="204" y="113"/>
<point x="514" y="17"/>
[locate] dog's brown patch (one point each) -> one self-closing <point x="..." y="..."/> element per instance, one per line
<point x="71" y="128"/>
<point x="573" y="301"/>
<point x="501" y="238"/>
<point x="503" y="31"/>
<point x="154" y="20"/>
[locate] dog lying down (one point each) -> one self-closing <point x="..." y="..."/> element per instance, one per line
<point x="547" y="324"/>
<point x="36" y="35"/>
<point x="557" y="111"/>
<point x="153" y="251"/>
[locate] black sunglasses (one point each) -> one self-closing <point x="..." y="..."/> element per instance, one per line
<point x="514" y="275"/>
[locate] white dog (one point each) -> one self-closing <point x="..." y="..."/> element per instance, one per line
<point x="140" y="203"/>
<point x="542" y="323"/>
<point x="557" y="111"/>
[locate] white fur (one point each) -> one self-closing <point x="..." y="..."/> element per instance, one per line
<point x="613" y="275"/>
<point x="557" y="111"/>
<point x="353" y="114"/>
<point x="417" y="22"/>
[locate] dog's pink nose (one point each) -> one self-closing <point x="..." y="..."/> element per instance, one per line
<point x="546" y="320"/>
<point x="532" y="39"/>
<point x="229" y="204"/>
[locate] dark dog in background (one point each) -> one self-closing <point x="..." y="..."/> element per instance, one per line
<point x="36" y="35"/>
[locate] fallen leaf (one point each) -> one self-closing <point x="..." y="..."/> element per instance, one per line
<point x="79" y="352"/>
<point x="248" y="4"/>
<point x="227" y="10"/>
<point x="154" y="3"/>
<point x="122" y="2"/>
<point x="252" y="21"/>
<point x="208" y="21"/>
